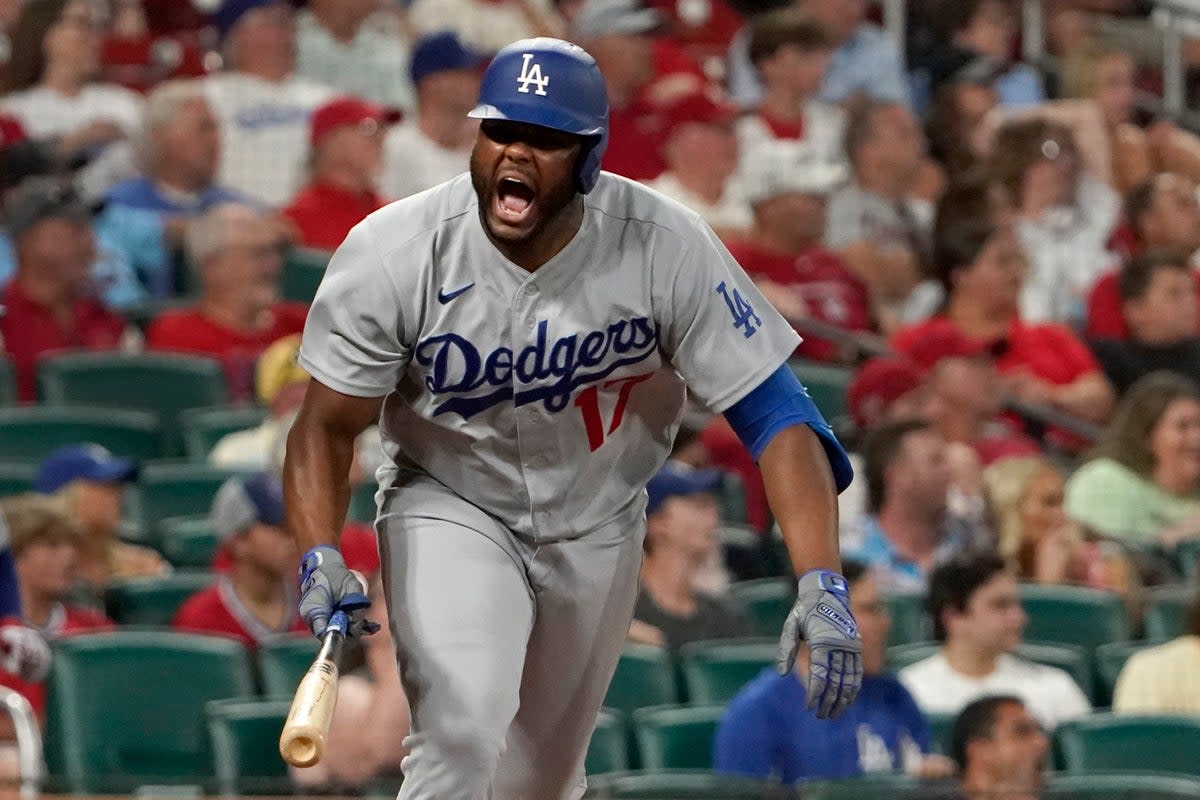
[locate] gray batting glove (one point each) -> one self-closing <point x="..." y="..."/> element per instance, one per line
<point x="822" y="618"/>
<point x="327" y="585"/>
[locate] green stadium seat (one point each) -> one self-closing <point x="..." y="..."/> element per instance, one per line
<point x="1074" y="615"/>
<point x="826" y="384"/>
<point x="867" y="787"/>
<point x="126" y="709"/>
<point x="302" y="273"/>
<point x="1187" y="555"/>
<point x="161" y="383"/>
<point x="731" y="496"/>
<point x="1166" y="612"/>
<point x="941" y="730"/>
<point x="189" y="542"/>
<point x="283" y="661"/>
<point x="645" y="676"/>
<point x="676" y="737"/>
<point x="16" y="477"/>
<point x="152" y="601"/>
<point x="766" y="602"/>
<point x="690" y="785"/>
<point x="175" y="489"/>
<point x="8" y="383"/>
<point x="608" y="751"/>
<point x="715" y="671"/>
<point x="204" y="427"/>
<point x="1073" y="660"/>
<point x="245" y="746"/>
<point x="30" y="433"/>
<point x="1122" y="786"/>
<point x="362" y="502"/>
<point x="910" y="620"/>
<point x="1110" y="660"/>
<point x="1115" y="742"/>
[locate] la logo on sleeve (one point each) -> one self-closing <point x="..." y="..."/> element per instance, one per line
<point x="531" y="74"/>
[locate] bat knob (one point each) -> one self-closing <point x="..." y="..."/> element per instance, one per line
<point x="302" y="750"/>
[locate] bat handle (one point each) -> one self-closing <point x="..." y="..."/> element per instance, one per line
<point x="338" y="623"/>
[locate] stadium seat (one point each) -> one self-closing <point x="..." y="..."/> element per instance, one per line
<point x="1110" y="660"/>
<point x="941" y="729"/>
<point x="1117" y="742"/>
<point x="1075" y="661"/>
<point x="164" y="384"/>
<point x="910" y="620"/>
<point x="873" y="787"/>
<point x="302" y="273"/>
<point x="1166" y="612"/>
<point x="189" y="542"/>
<point x="283" y="661"/>
<point x="30" y="433"/>
<point x="152" y="601"/>
<point x="826" y="384"/>
<point x="175" y="489"/>
<point x="1074" y="615"/>
<point x="8" y="383"/>
<point x="766" y="602"/>
<point x="245" y="746"/>
<point x="608" y="750"/>
<point x="125" y="709"/>
<point x="204" y="427"/>
<point x="16" y="477"/>
<point x="690" y="785"/>
<point x="715" y="671"/>
<point x="362" y="502"/>
<point x="1122" y="786"/>
<point x="676" y="737"/>
<point x="1187" y="555"/>
<point x="645" y="676"/>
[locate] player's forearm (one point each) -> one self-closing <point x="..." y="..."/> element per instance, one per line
<point x="801" y="493"/>
<point x="316" y="480"/>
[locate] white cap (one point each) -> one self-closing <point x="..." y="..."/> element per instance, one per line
<point x="778" y="168"/>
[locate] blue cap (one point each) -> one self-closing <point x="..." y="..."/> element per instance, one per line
<point x="675" y="480"/>
<point x="442" y="52"/>
<point x="82" y="462"/>
<point x="231" y="11"/>
<point x="247" y="500"/>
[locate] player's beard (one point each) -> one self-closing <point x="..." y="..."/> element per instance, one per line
<point x="549" y="204"/>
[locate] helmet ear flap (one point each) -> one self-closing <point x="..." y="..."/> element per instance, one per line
<point x="587" y="165"/>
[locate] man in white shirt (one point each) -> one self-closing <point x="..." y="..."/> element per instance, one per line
<point x="339" y="45"/>
<point x="434" y="145"/>
<point x="264" y="108"/>
<point x="701" y="152"/>
<point x="977" y="615"/>
<point x="1164" y="679"/>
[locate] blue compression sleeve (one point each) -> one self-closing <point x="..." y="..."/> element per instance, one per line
<point x="10" y="595"/>
<point x="780" y="402"/>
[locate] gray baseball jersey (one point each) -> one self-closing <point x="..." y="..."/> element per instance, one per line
<point x="547" y="399"/>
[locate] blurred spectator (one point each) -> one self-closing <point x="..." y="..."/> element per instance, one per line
<point x="784" y="255"/>
<point x="866" y="61"/>
<point x="982" y="267"/>
<point x="700" y="150"/>
<point x="50" y="88"/>
<point x="955" y="122"/>
<point x="681" y="535"/>
<point x="790" y="53"/>
<point x="1057" y="178"/>
<point x="90" y="482"/>
<point x="1142" y="484"/>
<point x="1001" y="750"/>
<point x="1107" y="76"/>
<point x="347" y="155"/>
<point x="1163" y="214"/>
<point x="434" y="145"/>
<point x="180" y="151"/>
<point x="977" y="616"/>
<point x="768" y="732"/>
<point x="908" y="528"/>
<point x="262" y="105"/>
<point x="1158" y="299"/>
<point x="338" y="46"/>
<point x="236" y="253"/>
<point x="1026" y="495"/>
<point x="874" y="223"/>
<point x="49" y="303"/>
<point x="486" y="24"/>
<point x="139" y="58"/>
<point x="1164" y="679"/>
<point x="45" y="542"/>
<point x="257" y="598"/>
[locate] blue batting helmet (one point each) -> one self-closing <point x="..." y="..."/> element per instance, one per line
<point x="554" y="84"/>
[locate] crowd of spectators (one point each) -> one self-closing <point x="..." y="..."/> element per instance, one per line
<point x="1000" y="257"/>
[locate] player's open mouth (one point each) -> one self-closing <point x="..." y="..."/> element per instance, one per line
<point x="514" y="200"/>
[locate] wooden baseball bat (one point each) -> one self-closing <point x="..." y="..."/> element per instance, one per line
<point x="302" y="743"/>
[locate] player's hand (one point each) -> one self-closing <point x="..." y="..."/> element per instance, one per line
<point x="822" y="619"/>
<point x="327" y="585"/>
<point x="24" y="653"/>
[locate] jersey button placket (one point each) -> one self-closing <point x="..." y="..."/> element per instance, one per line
<point x="528" y="419"/>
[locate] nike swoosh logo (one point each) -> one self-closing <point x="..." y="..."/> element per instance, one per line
<point x="445" y="297"/>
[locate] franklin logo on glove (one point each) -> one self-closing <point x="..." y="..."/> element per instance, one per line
<point x="821" y="618"/>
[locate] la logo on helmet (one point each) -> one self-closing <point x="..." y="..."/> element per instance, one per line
<point x="531" y="74"/>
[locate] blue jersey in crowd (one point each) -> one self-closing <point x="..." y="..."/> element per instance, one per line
<point x="144" y="194"/>
<point x="767" y="732"/>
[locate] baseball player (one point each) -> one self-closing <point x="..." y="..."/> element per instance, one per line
<point x="525" y="334"/>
